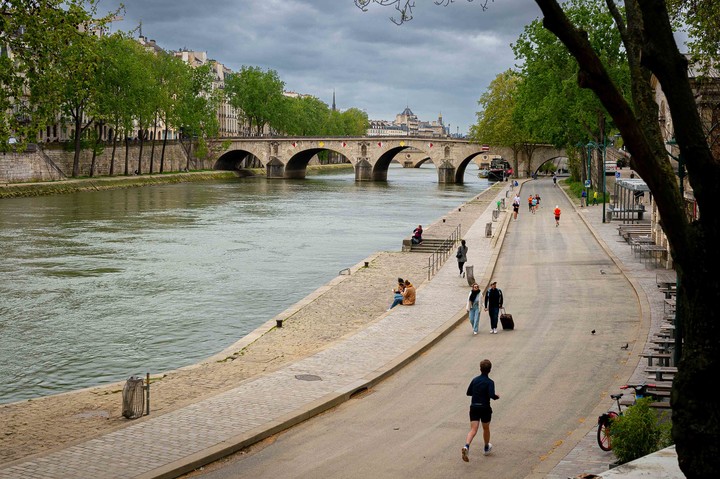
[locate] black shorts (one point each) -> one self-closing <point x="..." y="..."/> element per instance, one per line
<point x="480" y="413"/>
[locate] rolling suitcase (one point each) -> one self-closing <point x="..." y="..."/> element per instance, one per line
<point x="506" y="320"/>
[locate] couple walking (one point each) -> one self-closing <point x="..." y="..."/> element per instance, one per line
<point x="493" y="301"/>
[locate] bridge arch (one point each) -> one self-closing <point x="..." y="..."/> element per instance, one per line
<point x="380" y="168"/>
<point x="237" y="160"/>
<point x="548" y="160"/>
<point x="462" y="167"/>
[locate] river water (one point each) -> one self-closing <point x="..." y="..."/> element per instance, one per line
<point x="98" y="286"/>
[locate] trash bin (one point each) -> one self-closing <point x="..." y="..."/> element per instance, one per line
<point x="133" y="397"/>
<point x="488" y="230"/>
<point x="469" y="275"/>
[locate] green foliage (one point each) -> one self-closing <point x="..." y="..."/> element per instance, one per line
<point x="257" y="95"/>
<point x="701" y="20"/>
<point x="639" y="432"/>
<point x="38" y="43"/>
<point x="496" y="125"/>
<point x="550" y="103"/>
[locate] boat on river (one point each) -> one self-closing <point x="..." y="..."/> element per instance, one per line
<point x="499" y="170"/>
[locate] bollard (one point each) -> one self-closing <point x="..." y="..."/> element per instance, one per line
<point x="147" y="394"/>
<point x="443" y="220"/>
<point x="279" y="323"/>
<point x="488" y="230"/>
<point x="367" y="264"/>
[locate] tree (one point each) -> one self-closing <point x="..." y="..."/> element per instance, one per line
<point x="76" y="75"/>
<point x="647" y="35"/>
<point x="496" y="119"/>
<point x="196" y="110"/>
<point x="33" y="38"/>
<point x="257" y="95"/>
<point x="551" y="104"/>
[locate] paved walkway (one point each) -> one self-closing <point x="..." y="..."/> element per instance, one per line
<point x="587" y="457"/>
<point x="179" y="441"/>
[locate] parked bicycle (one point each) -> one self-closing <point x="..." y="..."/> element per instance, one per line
<point x="605" y="420"/>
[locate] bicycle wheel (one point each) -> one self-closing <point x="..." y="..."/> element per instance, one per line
<point x="603" y="431"/>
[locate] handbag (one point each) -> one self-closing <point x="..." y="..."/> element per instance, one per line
<point x="458" y="254"/>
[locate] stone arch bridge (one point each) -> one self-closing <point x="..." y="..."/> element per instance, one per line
<point x="369" y="156"/>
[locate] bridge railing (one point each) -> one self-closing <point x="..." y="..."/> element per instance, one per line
<point x="440" y="255"/>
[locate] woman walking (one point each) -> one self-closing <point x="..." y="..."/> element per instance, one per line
<point x="473" y="307"/>
<point x="461" y="256"/>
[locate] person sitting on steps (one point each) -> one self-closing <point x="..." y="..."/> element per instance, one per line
<point x="417" y="235"/>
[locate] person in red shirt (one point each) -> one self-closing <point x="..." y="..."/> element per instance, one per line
<point x="557" y="216"/>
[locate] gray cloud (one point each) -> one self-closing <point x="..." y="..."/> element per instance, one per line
<point x="440" y="62"/>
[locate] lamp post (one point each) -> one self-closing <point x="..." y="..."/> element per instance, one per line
<point x="677" y="354"/>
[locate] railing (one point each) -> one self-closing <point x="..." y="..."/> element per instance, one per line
<point x="438" y="257"/>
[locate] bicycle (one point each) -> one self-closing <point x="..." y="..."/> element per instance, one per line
<point x="605" y="420"/>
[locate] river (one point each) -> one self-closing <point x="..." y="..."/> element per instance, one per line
<point x="97" y="286"/>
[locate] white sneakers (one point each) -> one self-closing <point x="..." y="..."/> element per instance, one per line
<point x="493" y="331"/>
<point x="464" y="452"/>
<point x="488" y="448"/>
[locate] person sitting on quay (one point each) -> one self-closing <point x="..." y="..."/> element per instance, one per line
<point x="417" y="235"/>
<point x="408" y="294"/>
<point x="398" y="294"/>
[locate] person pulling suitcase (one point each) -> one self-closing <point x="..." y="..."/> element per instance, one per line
<point x="493" y="303"/>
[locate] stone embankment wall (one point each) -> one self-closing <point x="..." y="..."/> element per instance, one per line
<point x="51" y="163"/>
<point x="28" y="166"/>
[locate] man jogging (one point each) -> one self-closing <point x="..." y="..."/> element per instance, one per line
<point x="482" y="390"/>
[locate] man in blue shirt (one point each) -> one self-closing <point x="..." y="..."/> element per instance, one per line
<point x="481" y="390"/>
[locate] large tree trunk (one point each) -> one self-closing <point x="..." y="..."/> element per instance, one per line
<point x="152" y="148"/>
<point x="652" y="49"/>
<point x="127" y="154"/>
<point x="142" y="138"/>
<point x="78" y="145"/>
<point x="112" y="157"/>
<point x="162" y="153"/>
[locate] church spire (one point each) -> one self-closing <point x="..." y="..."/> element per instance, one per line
<point x="333" y="106"/>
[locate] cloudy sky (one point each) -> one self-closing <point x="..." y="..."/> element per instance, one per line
<point x="439" y="63"/>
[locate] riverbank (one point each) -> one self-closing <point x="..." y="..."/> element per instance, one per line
<point x="19" y="190"/>
<point x="340" y="308"/>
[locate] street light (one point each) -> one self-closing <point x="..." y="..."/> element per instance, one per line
<point x="602" y="148"/>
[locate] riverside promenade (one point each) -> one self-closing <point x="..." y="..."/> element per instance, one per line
<point x="179" y="441"/>
<point x="184" y="439"/>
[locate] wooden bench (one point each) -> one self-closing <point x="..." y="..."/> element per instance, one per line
<point x="669" y="306"/>
<point x="662" y="359"/>
<point x="652" y="252"/>
<point x="669" y="293"/>
<point x="614" y="212"/>
<point x="634" y="229"/>
<point x="661" y="372"/>
<point x="656" y="404"/>
<point x="666" y="279"/>
<point x="637" y="242"/>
